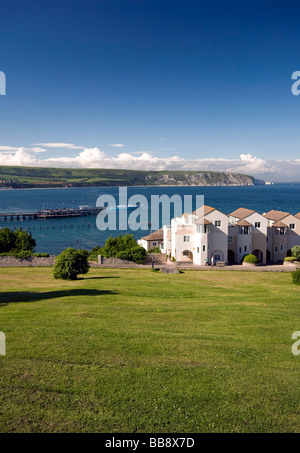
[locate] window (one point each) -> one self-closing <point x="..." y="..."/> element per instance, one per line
<point x="198" y="249"/>
<point x="218" y="223"/>
<point x="154" y="244"/>
<point x="230" y="239"/>
<point x="282" y="248"/>
<point x="208" y="246"/>
<point x="280" y="231"/>
<point x="292" y="226"/>
<point x="276" y="249"/>
<point x="257" y="224"/>
<point x="244" y="230"/>
<point x="217" y="257"/>
<point x="245" y="248"/>
<point x="186" y="238"/>
<point x="202" y="229"/>
<point x="240" y="249"/>
<point x="203" y="248"/>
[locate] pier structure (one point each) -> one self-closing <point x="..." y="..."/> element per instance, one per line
<point x="52" y="213"/>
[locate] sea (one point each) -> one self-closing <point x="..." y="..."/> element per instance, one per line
<point x="54" y="235"/>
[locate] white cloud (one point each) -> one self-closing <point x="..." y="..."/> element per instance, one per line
<point x="20" y="157"/>
<point x="274" y="170"/>
<point x="7" y="149"/>
<point x="59" y="145"/>
<point x="38" y="150"/>
<point x="117" y="145"/>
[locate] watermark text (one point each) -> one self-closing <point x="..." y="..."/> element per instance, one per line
<point x="296" y="345"/>
<point x="2" y="343"/>
<point x="2" y="84"/>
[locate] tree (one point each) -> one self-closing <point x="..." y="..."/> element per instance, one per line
<point x="296" y="252"/>
<point x="7" y="240"/>
<point x="70" y="263"/>
<point x="16" y="241"/>
<point x="24" y="241"/>
<point x="113" y="246"/>
<point x="136" y="254"/>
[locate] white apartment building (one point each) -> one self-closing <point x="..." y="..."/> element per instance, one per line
<point x="247" y="233"/>
<point x="197" y="237"/>
<point x="283" y="234"/>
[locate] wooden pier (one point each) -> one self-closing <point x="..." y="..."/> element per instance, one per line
<point x="52" y="213"/>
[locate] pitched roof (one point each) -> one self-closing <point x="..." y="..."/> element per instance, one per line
<point x="275" y="215"/>
<point x="297" y="215"/>
<point x="279" y="225"/>
<point x="241" y="213"/>
<point x="204" y="210"/>
<point x="202" y="222"/>
<point x="155" y="236"/>
<point x="243" y="222"/>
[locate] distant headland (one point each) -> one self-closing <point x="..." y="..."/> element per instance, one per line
<point x="39" y="177"/>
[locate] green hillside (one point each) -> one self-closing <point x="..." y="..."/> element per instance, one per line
<point x="30" y="177"/>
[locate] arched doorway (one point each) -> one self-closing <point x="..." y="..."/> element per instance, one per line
<point x="289" y="252"/>
<point x="268" y="256"/>
<point x="187" y="255"/>
<point x="259" y="255"/>
<point x="231" y="256"/>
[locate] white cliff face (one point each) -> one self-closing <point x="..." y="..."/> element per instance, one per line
<point x="200" y="179"/>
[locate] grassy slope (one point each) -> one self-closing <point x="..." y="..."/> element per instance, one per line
<point x="136" y="351"/>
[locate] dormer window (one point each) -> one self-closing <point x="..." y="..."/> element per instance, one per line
<point x="244" y="230"/>
<point x="280" y="231"/>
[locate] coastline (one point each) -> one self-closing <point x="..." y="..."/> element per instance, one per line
<point x="139" y="186"/>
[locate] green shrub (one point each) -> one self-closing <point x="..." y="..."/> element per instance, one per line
<point x="290" y="259"/>
<point x="136" y="254"/>
<point x="41" y="255"/>
<point x="296" y="277"/>
<point x="250" y="259"/>
<point x="154" y="250"/>
<point x="95" y="251"/>
<point x="296" y="252"/>
<point x="126" y="255"/>
<point x="93" y="257"/>
<point x="70" y="263"/>
<point x="23" y="254"/>
<point x="113" y="246"/>
<point x="16" y="241"/>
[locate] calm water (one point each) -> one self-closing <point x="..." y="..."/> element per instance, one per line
<point x="54" y="235"/>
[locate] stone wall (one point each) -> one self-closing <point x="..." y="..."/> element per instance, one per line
<point x="33" y="261"/>
<point x="114" y="263"/>
<point x="295" y="264"/>
<point x="157" y="257"/>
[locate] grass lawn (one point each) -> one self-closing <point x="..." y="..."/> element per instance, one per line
<point x="140" y="351"/>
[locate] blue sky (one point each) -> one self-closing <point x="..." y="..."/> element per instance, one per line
<point x="181" y="84"/>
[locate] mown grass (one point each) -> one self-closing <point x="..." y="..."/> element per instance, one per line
<point x="138" y="351"/>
